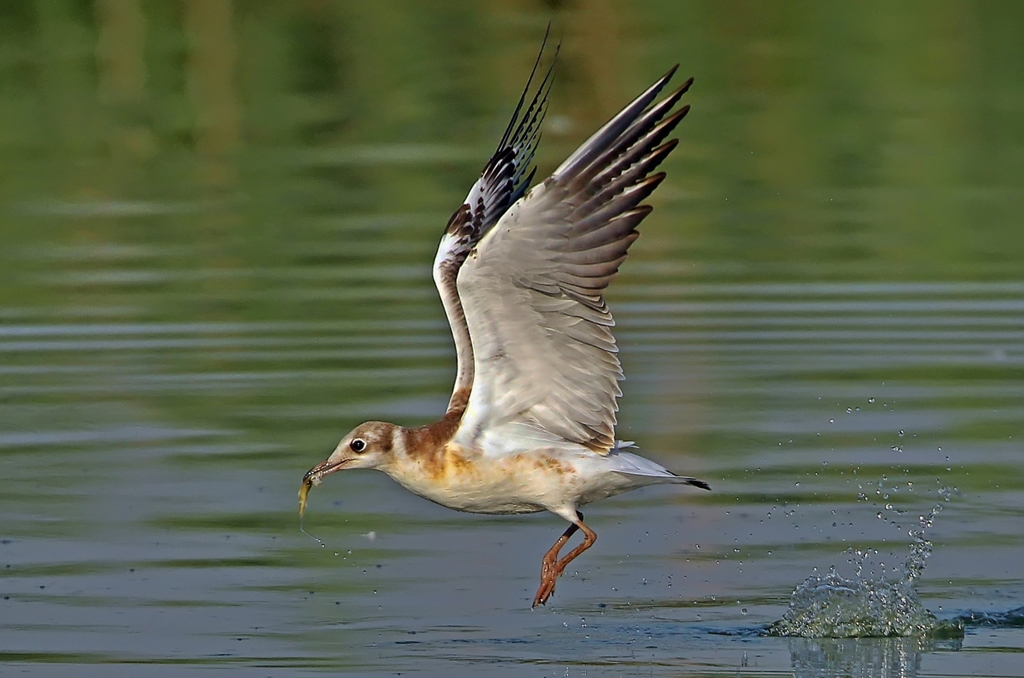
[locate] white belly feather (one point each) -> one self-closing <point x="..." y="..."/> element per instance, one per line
<point x="526" y="482"/>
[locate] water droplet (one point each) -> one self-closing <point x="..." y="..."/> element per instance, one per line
<point x="743" y="611"/>
<point x="871" y="400"/>
<point x="831" y="421"/>
<point x="901" y="433"/>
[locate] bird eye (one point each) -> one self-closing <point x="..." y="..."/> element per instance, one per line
<point x="357" y="445"/>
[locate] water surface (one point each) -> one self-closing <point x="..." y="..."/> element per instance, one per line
<point x="218" y="220"/>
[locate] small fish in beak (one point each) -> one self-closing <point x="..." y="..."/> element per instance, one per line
<point x="304" y="494"/>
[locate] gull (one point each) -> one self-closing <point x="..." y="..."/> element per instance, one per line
<point x="521" y="272"/>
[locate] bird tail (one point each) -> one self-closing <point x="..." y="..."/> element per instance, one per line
<point x="634" y="464"/>
<point x="693" y="481"/>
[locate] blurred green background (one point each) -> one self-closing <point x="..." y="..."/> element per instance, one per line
<point x="866" y="140"/>
<point x="237" y="162"/>
<point x="256" y="161"/>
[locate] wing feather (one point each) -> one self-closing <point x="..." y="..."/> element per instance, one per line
<point x="503" y="181"/>
<point x="545" y="360"/>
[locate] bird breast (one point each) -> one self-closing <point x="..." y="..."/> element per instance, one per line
<point x="449" y="475"/>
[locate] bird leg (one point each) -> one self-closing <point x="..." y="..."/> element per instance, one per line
<point x="551" y="567"/>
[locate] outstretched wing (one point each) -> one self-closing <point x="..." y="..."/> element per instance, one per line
<point x="532" y="289"/>
<point x="504" y="180"/>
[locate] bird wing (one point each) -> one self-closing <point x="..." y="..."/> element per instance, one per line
<point x="545" y="362"/>
<point x="504" y="180"/>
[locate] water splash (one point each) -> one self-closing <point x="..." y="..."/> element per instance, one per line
<point x="1011" y="619"/>
<point x="868" y="605"/>
<point x="835" y="607"/>
<point x="318" y="540"/>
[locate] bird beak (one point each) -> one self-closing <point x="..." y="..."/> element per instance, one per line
<point x="314" y="476"/>
<point x="325" y="468"/>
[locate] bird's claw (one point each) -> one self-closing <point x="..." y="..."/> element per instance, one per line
<point x="548" y="576"/>
<point x="547" y="588"/>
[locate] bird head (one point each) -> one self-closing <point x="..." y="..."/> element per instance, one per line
<point x="368" y="445"/>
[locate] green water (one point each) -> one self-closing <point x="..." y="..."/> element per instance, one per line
<point x="217" y="221"/>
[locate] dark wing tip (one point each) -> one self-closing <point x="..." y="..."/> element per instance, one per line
<point x="668" y="76"/>
<point x="698" y="483"/>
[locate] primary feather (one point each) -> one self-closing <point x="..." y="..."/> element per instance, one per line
<point x="504" y="180"/>
<point x="544" y="357"/>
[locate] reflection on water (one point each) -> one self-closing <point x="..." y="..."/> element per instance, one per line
<point x="856" y="658"/>
<point x="218" y="220"/>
